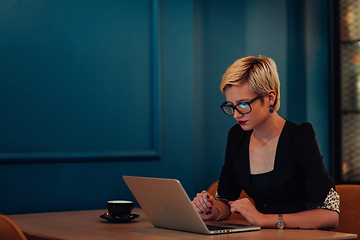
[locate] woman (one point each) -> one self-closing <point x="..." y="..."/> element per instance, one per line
<point x="276" y="162"/>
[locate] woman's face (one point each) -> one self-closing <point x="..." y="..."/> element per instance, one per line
<point x="259" y="113"/>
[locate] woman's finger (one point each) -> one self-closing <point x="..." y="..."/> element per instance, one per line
<point x="201" y="206"/>
<point x="202" y="202"/>
<point x="206" y="198"/>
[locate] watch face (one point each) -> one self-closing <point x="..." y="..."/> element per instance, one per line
<point x="281" y="225"/>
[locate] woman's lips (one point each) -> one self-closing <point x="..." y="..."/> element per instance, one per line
<point x="242" y="122"/>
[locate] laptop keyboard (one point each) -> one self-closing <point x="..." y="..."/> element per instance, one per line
<point x="214" y="227"/>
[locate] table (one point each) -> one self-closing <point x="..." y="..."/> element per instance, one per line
<point x="81" y="225"/>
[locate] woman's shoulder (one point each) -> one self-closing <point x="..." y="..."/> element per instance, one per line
<point x="299" y="134"/>
<point x="302" y="129"/>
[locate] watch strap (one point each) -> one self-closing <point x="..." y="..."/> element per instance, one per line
<point x="280" y="224"/>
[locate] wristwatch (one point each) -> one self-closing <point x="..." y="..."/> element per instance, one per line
<point x="280" y="224"/>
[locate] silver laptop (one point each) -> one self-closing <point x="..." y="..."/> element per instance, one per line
<point x="167" y="205"/>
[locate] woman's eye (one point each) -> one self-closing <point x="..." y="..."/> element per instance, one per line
<point x="243" y="105"/>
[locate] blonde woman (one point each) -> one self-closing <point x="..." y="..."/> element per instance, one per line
<point x="276" y="162"/>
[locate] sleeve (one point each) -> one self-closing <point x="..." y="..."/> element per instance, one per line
<point x="332" y="201"/>
<point x="229" y="188"/>
<point x="319" y="184"/>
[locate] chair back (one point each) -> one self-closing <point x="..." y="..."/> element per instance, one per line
<point x="9" y="230"/>
<point x="349" y="221"/>
<point x="212" y="190"/>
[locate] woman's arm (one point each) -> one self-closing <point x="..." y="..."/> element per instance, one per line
<point x="222" y="211"/>
<point x="316" y="218"/>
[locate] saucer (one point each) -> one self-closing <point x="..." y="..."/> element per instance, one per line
<point x="117" y="219"/>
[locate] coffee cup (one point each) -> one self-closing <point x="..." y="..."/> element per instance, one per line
<point x="120" y="208"/>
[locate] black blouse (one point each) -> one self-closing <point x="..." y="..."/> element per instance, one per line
<point x="299" y="179"/>
<point x="262" y="184"/>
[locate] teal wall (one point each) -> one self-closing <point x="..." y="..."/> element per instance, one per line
<point x="94" y="90"/>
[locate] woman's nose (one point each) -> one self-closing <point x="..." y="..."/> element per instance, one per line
<point x="237" y="114"/>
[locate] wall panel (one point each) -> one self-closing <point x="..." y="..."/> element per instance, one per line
<point x="77" y="80"/>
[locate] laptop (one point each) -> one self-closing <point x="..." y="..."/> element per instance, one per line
<point x="167" y="205"/>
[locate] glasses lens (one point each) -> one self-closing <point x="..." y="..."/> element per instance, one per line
<point x="227" y="109"/>
<point x="243" y="108"/>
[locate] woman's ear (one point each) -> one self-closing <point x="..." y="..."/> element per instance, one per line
<point x="272" y="97"/>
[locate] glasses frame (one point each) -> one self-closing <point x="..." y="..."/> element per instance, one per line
<point x="234" y="107"/>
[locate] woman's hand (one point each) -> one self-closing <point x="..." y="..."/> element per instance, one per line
<point x="204" y="204"/>
<point x="245" y="207"/>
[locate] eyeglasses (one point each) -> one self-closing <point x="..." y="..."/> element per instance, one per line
<point x="242" y="108"/>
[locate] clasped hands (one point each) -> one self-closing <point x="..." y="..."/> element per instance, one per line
<point x="210" y="209"/>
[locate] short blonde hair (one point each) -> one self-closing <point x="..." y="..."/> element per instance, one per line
<point x="259" y="72"/>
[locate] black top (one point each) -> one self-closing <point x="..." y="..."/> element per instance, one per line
<point x="262" y="184"/>
<point x="299" y="179"/>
